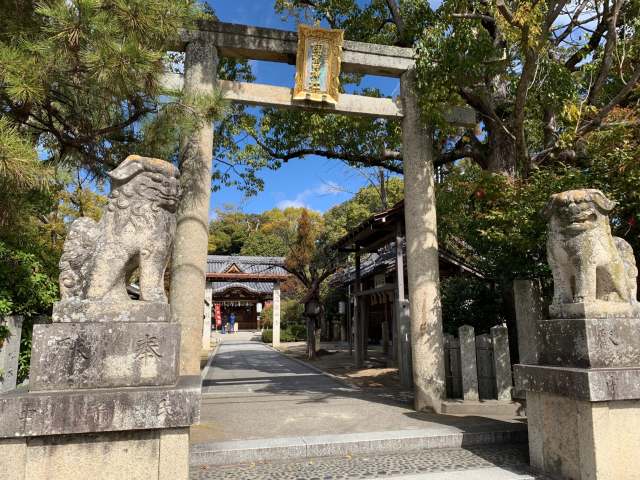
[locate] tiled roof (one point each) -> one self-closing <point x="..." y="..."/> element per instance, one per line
<point x="385" y="260"/>
<point x="253" y="287"/>
<point x="250" y="265"/>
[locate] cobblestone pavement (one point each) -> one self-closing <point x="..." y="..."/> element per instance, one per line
<point x="373" y="466"/>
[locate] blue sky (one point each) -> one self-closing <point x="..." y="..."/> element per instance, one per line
<point x="313" y="182"/>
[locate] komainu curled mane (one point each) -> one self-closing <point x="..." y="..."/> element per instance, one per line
<point x="136" y="231"/>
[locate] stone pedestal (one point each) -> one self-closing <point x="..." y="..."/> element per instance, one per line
<point x="583" y="398"/>
<point x="9" y="353"/>
<point x="105" y="398"/>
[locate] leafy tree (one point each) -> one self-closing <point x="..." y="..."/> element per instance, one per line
<point x="264" y="245"/>
<point x="266" y="234"/>
<point x="540" y="75"/>
<point x="367" y="201"/>
<point x="312" y="260"/>
<point x="495" y="223"/>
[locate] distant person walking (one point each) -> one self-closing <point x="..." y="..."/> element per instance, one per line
<point x="232" y="323"/>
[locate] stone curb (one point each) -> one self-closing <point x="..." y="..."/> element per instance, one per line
<point x="488" y="473"/>
<point x="205" y="370"/>
<point x="247" y="451"/>
<point x="316" y="369"/>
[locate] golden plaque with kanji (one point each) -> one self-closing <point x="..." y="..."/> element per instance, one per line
<point x="318" y="64"/>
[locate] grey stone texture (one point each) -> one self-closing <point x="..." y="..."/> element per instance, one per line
<point x="135" y="455"/>
<point x="100" y="410"/>
<point x="104" y="355"/>
<point x="530" y="309"/>
<point x="207" y="317"/>
<point x="583" y="396"/>
<point x="502" y="362"/>
<point x="581" y="440"/>
<point x="189" y="260"/>
<point x="105" y="399"/>
<point x="589" y="384"/>
<point x="468" y="363"/>
<point x="9" y="353"/>
<point x="589" y="265"/>
<point x="76" y="310"/>
<point x="470" y="462"/>
<point x="421" y="227"/>
<point x="136" y="232"/>
<point x="590" y="342"/>
<point x="452" y="366"/>
<point x="281" y="46"/>
<point x="485" y="367"/>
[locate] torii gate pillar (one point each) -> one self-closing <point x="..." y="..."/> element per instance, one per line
<point x="422" y="252"/>
<point x="192" y="234"/>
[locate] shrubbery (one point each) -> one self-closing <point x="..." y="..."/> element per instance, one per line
<point x="290" y="313"/>
<point x="470" y="301"/>
<point x="292" y="333"/>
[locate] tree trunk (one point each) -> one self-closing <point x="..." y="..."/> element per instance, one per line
<point x="383" y="189"/>
<point x="311" y="337"/>
<point x="501" y="156"/>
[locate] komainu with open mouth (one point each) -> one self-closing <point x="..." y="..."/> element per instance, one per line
<point x="587" y="262"/>
<point x="136" y="232"/>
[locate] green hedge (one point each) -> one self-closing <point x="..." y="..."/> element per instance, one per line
<point x="290" y="313"/>
<point x="292" y="333"/>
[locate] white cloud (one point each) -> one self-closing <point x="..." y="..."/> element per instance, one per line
<point x="301" y="200"/>
<point x="291" y="204"/>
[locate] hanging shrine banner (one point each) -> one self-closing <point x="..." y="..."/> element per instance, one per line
<point x="218" y="314"/>
<point x="318" y="64"/>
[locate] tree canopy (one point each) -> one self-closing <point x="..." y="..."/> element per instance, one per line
<point x="542" y="76"/>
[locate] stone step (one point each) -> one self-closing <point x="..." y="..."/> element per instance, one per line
<point x="246" y="451"/>
<point x="483" y="408"/>
<point x="490" y="462"/>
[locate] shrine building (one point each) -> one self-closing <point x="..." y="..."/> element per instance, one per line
<point x="242" y="286"/>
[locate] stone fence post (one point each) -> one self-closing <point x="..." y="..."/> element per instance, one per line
<point x="9" y="353"/>
<point x="529" y="311"/>
<point x="502" y="362"/>
<point x="468" y="363"/>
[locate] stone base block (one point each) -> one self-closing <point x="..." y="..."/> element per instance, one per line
<point x="9" y="353"/>
<point x="37" y="414"/>
<point x="135" y="455"/>
<point x="483" y="408"/>
<point x="91" y="311"/>
<point x="581" y="440"/>
<point x="595" y="309"/>
<point x="590" y="342"/>
<point x="104" y="355"/>
<point x="588" y="384"/>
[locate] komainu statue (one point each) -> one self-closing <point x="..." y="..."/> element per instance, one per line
<point x="136" y="232"/>
<point x="589" y="265"/>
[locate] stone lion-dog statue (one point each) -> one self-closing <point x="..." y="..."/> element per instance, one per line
<point x="136" y="231"/>
<point x="587" y="262"/>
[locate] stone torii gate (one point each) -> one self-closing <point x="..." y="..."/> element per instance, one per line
<point x="203" y="48"/>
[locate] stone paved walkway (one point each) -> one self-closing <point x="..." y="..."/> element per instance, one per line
<point x="474" y="463"/>
<point x="253" y="392"/>
<point x="257" y="400"/>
